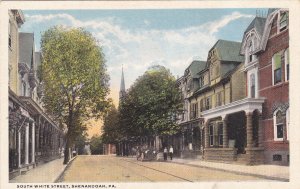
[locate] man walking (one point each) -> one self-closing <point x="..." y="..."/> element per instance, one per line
<point x="171" y="152"/>
<point x="165" y="153"/>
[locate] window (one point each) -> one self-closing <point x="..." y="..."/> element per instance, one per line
<point x="220" y="134"/>
<point x="277" y="157"/>
<point x="194" y="111"/>
<point x="276" y="68"/>
<point x="208" y="103"/>
<point x="201" y="105"/>
<point x="219" y="99"/>
<point x="278" y="125"/>
<point x="24" y="89"/>
<point x="211" y="134"/>
<point x="190" y="85"/>
<point x="201" y="81"/>
<point x="287" y="64"/>
<point x="217" y="70"/>
<point x="283" y="21"/>
<point x="9" y="36"/>
<point x="250" y="47"/>
<point x="252" y="85"/>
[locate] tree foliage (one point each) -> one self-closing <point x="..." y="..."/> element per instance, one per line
<point x="151" y="104"/>
<point x="96" y="145"/>
<point x="74" y="78"/>
<point x="111" y="126"/>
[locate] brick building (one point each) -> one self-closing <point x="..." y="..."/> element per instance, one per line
<point x="236" y="104"/>
<point x="273" y="70"/>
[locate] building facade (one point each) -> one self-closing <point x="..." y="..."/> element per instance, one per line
<point x="273" y="70"/>
<point x="236" y="104"/>
<point x="33" y="136"/>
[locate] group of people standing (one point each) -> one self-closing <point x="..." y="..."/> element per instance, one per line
<point x="171" y="151"/>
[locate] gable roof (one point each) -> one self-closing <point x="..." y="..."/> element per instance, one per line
<point x="258" y="23"/>
<point x="271" y="15"/>
<point x="228" y="51"/>
<point x="26" y="45"/>
<point x="195" y="67"/>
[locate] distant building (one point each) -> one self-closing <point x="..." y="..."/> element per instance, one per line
<point x="109" y="149"/>
<point x="33" y="136"/>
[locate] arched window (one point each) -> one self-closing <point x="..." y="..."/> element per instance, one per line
<point x="278" y="119"/>
<point x="252" y="85"/>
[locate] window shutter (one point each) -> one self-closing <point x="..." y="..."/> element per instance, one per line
<point x="277" y="61"/>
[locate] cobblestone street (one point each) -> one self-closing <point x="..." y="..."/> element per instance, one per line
<point x="118" y="169"/>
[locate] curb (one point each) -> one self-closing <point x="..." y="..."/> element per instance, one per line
<point x="63" y="171"/>
<point x="235" y="172"/>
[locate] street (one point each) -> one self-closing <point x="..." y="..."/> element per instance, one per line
<point x="120" y="169"/>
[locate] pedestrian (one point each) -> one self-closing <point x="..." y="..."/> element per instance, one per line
<point x="171" y="151"/>
<point x="165" y="153"/>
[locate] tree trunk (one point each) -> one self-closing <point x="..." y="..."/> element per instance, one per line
<point x="67" y="154"/>
<point x="68" y="137"/>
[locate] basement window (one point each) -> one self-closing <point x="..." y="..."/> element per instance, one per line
<point x="277" y="157"/>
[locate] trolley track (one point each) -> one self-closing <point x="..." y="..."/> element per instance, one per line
<point x="157" y="170"/>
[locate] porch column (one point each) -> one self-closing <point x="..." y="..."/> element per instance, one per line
<point x="19" y="148"/>
<point x="206" y="134"/>
<point x="26" y="143"/>
<point x="225" y="133"/>
<point x="249" y="129"/>
<point x="260" y="131"/>
<point x="33" y="142"/>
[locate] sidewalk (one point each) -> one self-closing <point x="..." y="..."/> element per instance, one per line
<point x="274" y="172"/>
<point x="45" y="173"/>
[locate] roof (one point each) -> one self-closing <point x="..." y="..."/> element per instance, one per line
<point x="195" y="67"/>
<point x="271" y="10"/>
<point x="26" y="44"/>
<point x="228" y="51"/>
<point x="258" y="23"/>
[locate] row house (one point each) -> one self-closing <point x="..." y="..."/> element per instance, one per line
<point x="236" y="105"/>
<point x="33" y="136"/>
<point x="266" y="50"/>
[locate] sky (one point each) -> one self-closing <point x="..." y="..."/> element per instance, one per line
<point x="138" y="39"/>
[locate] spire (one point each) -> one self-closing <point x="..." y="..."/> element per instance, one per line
<point x="122" y="86"/>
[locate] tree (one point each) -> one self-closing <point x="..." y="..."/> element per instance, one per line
<point x="74" y="78"/>
<point x="151" y="104"/>
<point x="96" y="145"/>
<point x="111" y="126"/>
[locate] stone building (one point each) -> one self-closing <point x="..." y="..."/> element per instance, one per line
<point x="33" y="136"/>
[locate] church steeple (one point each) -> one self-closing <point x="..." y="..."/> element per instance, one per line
<point x="122" y="86"/>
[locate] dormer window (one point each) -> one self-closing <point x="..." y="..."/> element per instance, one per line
<point x="283" y="21"/>
<point x="201" y="81"/>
